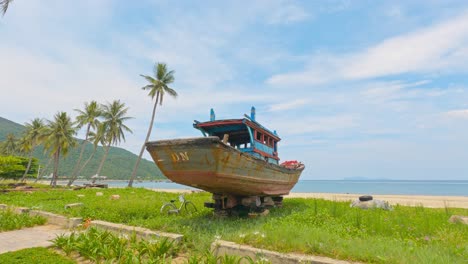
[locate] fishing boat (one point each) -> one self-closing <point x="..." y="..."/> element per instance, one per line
<point x="236" y="160"/>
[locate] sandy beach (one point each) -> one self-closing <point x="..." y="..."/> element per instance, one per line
<point x="406" y="200"/>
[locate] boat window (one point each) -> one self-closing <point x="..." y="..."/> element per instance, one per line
<point x="259" y="136"/>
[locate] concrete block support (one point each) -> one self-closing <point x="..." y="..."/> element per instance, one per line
<point x="139" y="231"/>
<point x="221" y="247"/>
<point x="59" y="220"/>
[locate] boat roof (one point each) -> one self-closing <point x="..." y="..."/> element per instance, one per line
<point x="232" y="125"/>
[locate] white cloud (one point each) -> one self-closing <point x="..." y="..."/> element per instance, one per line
<point x="285" y="12"/>
<point x="458" y="114"/>
<point x="441" y="47"/>
<point x="288" y="105"/>
<point x="290" y="125"/>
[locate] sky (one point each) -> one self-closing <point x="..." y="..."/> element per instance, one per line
<point x="374" y="89"/>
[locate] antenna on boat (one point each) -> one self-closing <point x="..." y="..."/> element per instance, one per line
<point x="252" y="113"/>
<point x="212" y="115"/>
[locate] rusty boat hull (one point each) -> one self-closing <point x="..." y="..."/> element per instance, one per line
<point x="209" y="164"/>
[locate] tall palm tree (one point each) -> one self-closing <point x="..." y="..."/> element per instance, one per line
<point x="4" y="5"/>
<point x="158" y="86"/>
<point x="31" y="138"/>
<point x="58" y="138"/>
<point x="87" y="117"/>
<point x="114" y="115"/>
<point x="9" y="146"/>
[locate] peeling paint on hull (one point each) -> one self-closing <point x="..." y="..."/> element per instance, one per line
<point x="209" y="164"/>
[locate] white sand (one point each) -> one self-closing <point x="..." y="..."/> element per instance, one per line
<point x="407" y="200"/>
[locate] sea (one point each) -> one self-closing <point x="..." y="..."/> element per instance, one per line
<point x="371" y="187"/>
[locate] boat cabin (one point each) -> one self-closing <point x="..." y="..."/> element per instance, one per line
<point x="244" y="134"/>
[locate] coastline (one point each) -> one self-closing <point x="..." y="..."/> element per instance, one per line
<point x="430" y="201"/>
<point x="404" y="200"/>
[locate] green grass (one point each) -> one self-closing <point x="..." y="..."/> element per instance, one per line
<point x="100" y="245"/>
<point x="310" y="226"/>
<point x="104" y="246"/>
<point x="12" y="221"/>
<point x="34" y="255"/>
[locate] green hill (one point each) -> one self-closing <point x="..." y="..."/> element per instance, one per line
<point x="7" y="127"/>
<point x="118" y="165"/>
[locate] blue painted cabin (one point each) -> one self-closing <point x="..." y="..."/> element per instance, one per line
<point x="244" y="134"/>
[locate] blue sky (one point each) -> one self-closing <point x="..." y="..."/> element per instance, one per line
<point x="375" y="89"/>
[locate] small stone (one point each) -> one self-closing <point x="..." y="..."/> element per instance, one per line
<point x="459" y="219"/>
<point x="372" y="204"/>
<point x="99" y="194"/>
<point x="73" y="205"/>
<point x="80" y="195"/>
<point x="115" y="197"/>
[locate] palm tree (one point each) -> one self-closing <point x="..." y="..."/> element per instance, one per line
<point x="158" y="86"/>
<point x="9" y="146"/>
<point x="58" y="138"/>
<point x="31" y="140"/>
<point x="89" y="118"/>
<point x="4" y="5"/>
<point x="113" y="128"/>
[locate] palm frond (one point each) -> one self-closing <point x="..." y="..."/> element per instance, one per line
<point x="4" y="5"/>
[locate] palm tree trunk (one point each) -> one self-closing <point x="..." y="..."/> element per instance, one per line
<point x="77" y="165"/>
<point x="29" y="165"/>
<point x="86" y="162"/>
<point x="53" y="182"/>
<point x="43" y="170"/>
<point x="103" y="159"/>
<point x="135" y="169"/>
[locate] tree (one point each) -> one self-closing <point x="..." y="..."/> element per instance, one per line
<point x="113" y="127"/>
<point x="87" y="117"/>
<point x="9" y="146"/>
<point x="158" y="86"/>
<point x="4" y="5"/>
<point x="58" y="138"/>
<point x="12" y="166"/>
<point x="31" y="140"/>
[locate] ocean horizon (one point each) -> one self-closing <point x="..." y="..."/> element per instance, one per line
<point x="371" y="187"/>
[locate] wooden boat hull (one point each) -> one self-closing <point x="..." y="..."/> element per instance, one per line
<point x="209" y="164"/>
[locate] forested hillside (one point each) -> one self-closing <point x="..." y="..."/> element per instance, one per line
<point x="118" y="165"/>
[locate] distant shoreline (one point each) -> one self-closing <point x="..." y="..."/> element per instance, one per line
<point x="433" y="201"/>
<point x="404" y="200"/>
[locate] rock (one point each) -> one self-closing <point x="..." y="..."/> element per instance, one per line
<point x="99" y="194"/>
<point x="268" y="201"/>
<point x="73" y="205"/>
<point x="372" y="204"/>
<point x="23" y="187"/>
<point x="459" y="219"/>
<point x="81" y="195"/>
<point x="115" y="197"/>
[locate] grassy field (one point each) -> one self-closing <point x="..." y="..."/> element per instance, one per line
<point x="310" y="226"/>
<point x="34" y="255"/>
